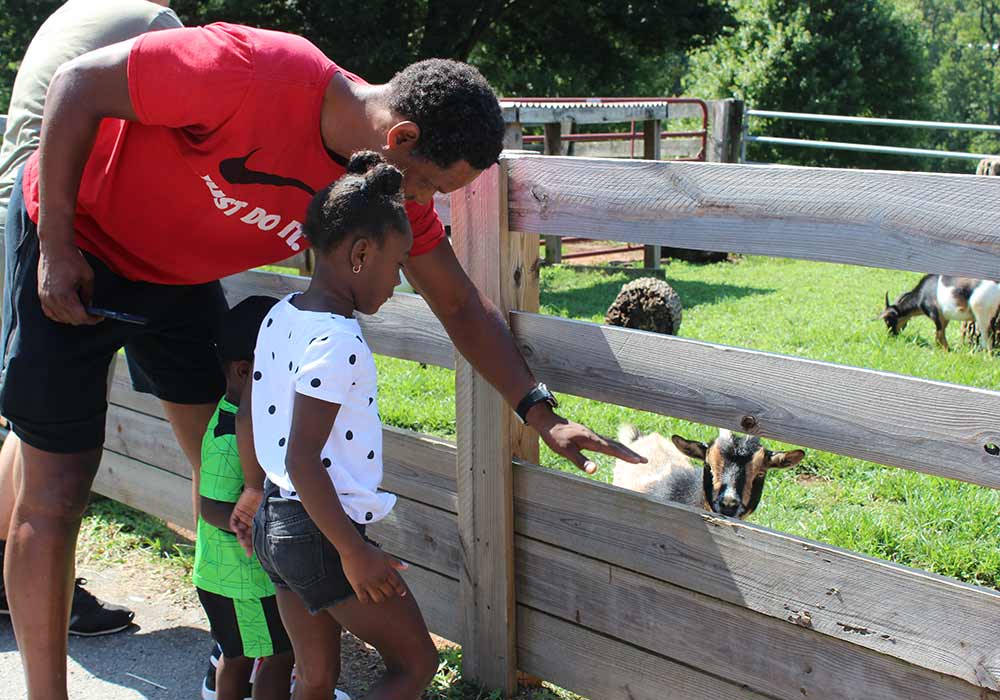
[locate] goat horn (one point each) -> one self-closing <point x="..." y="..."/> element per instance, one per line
<point x="887" y="300"/>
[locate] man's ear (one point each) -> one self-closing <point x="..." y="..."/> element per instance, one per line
<point x="402" y="134"/>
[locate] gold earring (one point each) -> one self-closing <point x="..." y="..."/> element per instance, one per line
<point x="356" y="269"/>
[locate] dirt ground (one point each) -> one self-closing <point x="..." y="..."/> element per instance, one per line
<point x="164" y="656"/>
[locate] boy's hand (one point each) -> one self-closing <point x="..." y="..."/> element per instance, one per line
<point x="241" y="521"/>
<point x="373" y="574"/>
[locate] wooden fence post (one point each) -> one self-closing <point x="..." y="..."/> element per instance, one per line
<point x="651" y="254"/>
<point x="513" y="136"/>
<point x="725" y="130"/>
<point x="505" y="268"/>
<point x="553" y="147"/>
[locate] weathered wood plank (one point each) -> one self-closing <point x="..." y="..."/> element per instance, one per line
<point x="436" y="596"/>
<point x="123" y="395"/>
<point x="893" y="419"/>
<point x="929" y="621"/>
<point x="486" y="436"/>
<point x="779" y="658"/>
<point x="426" y="536"/>
<point x="158" y="492"/>
<point x="167" y="496"/>
<point x="145" y="438"/>
<point x="907" y="221"/>
<point x="404" y="327"/>
<point x="598" y="667"/>
<point x="419" y="467"/>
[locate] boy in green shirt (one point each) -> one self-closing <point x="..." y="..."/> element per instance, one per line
<point x="237" y="595"/>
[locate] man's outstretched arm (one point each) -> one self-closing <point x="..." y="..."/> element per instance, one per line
<point x="482" y="335"/>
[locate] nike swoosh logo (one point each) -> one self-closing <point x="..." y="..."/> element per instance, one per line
<point x="236" y="172"/>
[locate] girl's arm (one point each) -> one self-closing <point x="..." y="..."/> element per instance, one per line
<point x="372" y="573"/>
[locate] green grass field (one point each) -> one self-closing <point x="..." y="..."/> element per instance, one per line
<point x="813" y="310"/>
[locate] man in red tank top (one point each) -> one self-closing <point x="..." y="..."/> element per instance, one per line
<point x="166" y="163"/>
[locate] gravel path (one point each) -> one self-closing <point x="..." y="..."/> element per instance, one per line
<point x="169" y="645"/>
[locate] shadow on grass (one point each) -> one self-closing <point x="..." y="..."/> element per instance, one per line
<point x="587" y="299"/>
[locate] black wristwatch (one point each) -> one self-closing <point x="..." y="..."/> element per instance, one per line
<point x="537" y="395"/>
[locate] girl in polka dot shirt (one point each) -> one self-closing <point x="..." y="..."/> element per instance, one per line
<point x="318" y="437"/>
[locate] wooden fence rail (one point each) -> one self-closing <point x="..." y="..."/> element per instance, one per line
<point x="607" y="592"/>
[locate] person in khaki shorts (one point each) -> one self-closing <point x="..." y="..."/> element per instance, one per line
<point x="78" y="26"/>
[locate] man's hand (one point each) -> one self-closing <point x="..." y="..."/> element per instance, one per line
<point x="65" y="285"/>
<point x="373" y="574"/>
<point x="568" y="439"/>
<point x="241" y="521"/>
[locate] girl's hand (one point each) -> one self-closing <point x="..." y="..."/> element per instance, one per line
<point x="373" y="574"/>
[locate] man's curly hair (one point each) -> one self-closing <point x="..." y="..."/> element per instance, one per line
<point x="456" y="109"/>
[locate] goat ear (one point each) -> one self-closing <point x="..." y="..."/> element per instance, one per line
<point x="784" y="460"/>
<point x="691" y="448"/>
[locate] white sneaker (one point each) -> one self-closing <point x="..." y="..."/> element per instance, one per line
<point x="339" y="694"/>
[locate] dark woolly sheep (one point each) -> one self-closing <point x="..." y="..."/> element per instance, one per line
<point x="646" y="304"/>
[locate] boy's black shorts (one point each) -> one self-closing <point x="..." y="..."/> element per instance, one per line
<point x="245" y="627"/>
<point x="53" y="384"/>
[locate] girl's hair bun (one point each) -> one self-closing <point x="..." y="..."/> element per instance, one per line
<point x="384" y="179"/>
<point x="380" y="178"/>
<point x="363" y="161"/>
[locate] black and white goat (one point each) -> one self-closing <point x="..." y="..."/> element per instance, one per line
<point x="945" y="299"/>
<point x="731" y="482"/>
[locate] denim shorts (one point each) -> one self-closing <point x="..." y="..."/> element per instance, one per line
<point x="296" y="555"/>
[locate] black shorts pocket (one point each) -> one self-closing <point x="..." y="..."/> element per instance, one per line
<point x="297" y="559"/>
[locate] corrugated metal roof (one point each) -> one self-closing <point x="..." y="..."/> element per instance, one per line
<point x="590" y="103"/>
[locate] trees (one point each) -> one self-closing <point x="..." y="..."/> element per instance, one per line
<point x="19" y="19"/>
<point x="524" y="47"/>
<point x="962" y="39"/>
<point x="853" y="57"/>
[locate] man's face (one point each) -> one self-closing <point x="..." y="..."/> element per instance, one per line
<point x="422" y="179"/>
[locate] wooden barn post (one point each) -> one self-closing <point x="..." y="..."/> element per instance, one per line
<point x="725" y="123"/>
<point x="651" y="141"/>
<point x="553" y="147"/>
<point x="505" y="268"/>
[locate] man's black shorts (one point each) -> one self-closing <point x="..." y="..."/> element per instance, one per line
<point x="53" y="384"/>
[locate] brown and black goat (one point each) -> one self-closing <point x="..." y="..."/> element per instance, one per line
<point x="945" y="299"/>
<point x="731" y="482"/>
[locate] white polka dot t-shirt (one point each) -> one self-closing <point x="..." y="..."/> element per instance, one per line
<point x="324" y="356"/>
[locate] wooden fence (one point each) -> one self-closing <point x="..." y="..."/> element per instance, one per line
<point x="606" y="592"/>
